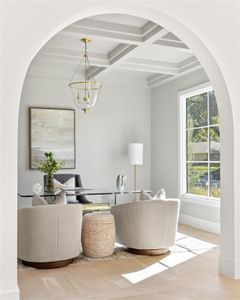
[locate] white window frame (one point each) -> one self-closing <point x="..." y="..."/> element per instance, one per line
<point x="183" y="195"/>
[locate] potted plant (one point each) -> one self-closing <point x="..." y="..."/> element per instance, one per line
<point x="49" y="166"/>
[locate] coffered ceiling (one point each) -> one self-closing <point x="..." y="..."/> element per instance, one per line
<point x="121" y="44"/>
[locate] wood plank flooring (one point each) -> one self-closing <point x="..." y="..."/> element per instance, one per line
<point x="194" y="279"/>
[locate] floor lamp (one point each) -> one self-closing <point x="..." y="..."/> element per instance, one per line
<point x="135" y="155"/>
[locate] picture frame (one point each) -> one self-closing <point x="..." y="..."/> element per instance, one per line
<point x="52" y="130"/>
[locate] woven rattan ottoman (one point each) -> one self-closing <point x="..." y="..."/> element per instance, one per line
<point x="98" y="234"/>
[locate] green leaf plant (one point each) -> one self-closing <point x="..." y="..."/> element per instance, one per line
<point x="49" y="165"/>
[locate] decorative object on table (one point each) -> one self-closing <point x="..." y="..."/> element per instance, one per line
<point x="52" y="130"/>
<point x="121" y="183"/>
<point x="85" y="89"/>
<point x="161" y="195"/>
<point x="49" y="166"/>
<point x="135" y="156"/>
<point x="98" y="234"/>
<point x="145" y="195"/>
<point x="37" y="188"/>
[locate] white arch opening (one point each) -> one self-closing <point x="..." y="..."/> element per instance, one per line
<point x="228" y="243"/>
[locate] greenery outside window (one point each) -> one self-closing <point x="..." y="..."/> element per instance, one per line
<point x="200" y="140"/>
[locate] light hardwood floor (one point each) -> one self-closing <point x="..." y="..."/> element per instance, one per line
<point x="194" y="279"/>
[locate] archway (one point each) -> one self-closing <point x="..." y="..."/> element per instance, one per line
<point x="228" y="245"/>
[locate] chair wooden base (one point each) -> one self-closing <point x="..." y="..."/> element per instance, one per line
<point x="48" y="265"/>
<point x="150" y="252"/>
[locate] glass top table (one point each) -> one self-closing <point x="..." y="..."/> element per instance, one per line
<point x="82" y="191"/>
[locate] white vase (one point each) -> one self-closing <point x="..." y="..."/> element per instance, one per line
<point x="121" y="183"/>
<point x="37" y="188"/>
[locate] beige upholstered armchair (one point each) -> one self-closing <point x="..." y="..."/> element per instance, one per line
<point x="49" y="236"/>
<point x="147" y="226"/>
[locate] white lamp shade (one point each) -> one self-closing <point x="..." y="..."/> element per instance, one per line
<point x="135" y="153"/>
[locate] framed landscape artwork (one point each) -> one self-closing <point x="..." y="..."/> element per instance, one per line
<point x="52" y="130"/>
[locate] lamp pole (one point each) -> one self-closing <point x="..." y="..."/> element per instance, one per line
<point x="135" y="181"/>
<point x="135" y="155"/>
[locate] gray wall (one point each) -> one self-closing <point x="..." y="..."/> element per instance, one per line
<point x="165" y="137"/>
<point x="121" y="116"/>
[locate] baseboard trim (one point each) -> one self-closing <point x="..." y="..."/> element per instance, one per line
<point x="229" y="267"/>
<point x="10" y="295"/>
<point x="200" y="223"/>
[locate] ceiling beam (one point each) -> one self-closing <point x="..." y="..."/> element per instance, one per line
<point x="174" y="44"/>
<point x="185" y="67"/>
<point x="117" y="50"/>
<point x="155" y="33"/>
<point x="109" y="27"/>
<point x="113" y="36"/>
<point x="194" y="66"/>
<point x="171" y="37"/>
<point x="151" y="62"/>
<point x="73" y="56"/>
<point x="122" y="54"/>
<point x="112" y="31"/>
<point x="149" y="26"/>
<point x="93" y="72"/>
<point x="151" y="66"/>
<point x="71" y="59"/>
<point x="73" y="53"/>
<point x="149" y="69"/>
<point x="188" y="62"/>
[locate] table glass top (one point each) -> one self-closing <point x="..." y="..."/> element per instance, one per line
<point x="80" y="191"/>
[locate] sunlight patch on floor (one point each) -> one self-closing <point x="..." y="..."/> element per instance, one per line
<point x="145" y="273"/>
<point x="186" y="248"/>
<point x="175" y="259"/>
<point x="180" y="236"/>
<point x="195" y="245"/>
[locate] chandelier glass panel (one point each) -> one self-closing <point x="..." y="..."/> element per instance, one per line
<point x="85" y="89"/>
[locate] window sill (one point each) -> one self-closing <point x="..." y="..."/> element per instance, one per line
<point x="201" y="200"/>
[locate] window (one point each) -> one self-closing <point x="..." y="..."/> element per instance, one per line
<point x="200" y="144"/>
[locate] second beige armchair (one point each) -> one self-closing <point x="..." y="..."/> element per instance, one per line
<point x="147" y="226"/>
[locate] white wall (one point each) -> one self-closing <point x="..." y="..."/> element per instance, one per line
<point x="165" y="149"/>
<point x="164" y="128"/>
<point x="121" y="116"/>
<point x="23" y="32"/>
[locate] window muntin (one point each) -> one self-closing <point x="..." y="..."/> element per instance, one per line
<point x="202" y="144"/>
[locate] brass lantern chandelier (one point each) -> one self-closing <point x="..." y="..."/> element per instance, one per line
<point x="85" y="90"/>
